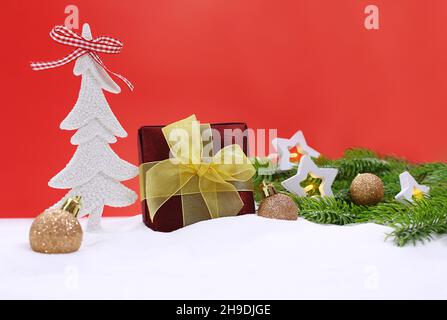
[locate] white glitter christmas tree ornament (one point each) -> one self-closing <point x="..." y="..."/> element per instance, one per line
<point x="283" y="147"/>
<point x="410" y="189"/>
<point x="95" y="171"/>
<point x="308" y="167"/>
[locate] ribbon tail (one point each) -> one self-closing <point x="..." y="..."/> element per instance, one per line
<point x="99" y="61"/>
<point x="37" y="66"/>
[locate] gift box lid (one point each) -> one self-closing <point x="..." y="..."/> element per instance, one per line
<point x="153" y="146"/>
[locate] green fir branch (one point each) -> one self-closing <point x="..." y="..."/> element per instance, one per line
<point x="350" y="168"/>
<point x="327" y="210"/>
<point x="419" y="222"/>
<point x="358" y="153"/>
<point x="411" y="222"/>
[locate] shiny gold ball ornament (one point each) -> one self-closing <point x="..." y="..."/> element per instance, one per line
<point x="366" y="189"/>
<point x="57" y="230"/>
<point x="277" y="205"/>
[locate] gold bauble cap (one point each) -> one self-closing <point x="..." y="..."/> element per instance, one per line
<point x="72" y="205"/>
<point x="268" y="190"/>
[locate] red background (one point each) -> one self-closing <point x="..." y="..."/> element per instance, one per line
<point x="298" y="64"/>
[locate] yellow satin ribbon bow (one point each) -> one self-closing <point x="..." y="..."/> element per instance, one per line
<point x="208" y="185"/>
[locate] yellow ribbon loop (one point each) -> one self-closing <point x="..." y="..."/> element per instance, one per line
<point x="208" y="186"/>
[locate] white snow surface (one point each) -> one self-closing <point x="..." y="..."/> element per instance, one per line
<point x="244" y="257"/>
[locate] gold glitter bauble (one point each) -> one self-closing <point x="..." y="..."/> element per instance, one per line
<point x="55" y="231"/>
<point x="278" y="206"/>
<point x="366" y="189"/>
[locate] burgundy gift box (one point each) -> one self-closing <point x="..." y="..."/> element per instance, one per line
<point x="152" y="146"/>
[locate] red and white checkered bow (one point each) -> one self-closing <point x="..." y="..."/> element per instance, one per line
<point x="67" y="37"/>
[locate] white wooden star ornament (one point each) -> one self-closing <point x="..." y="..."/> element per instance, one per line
<point x="308" y="167"/>
<point x="283" y="147"/>
<point x="410" y="189"/>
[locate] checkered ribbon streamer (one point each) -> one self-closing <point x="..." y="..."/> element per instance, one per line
<point x="102" y="44"/>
